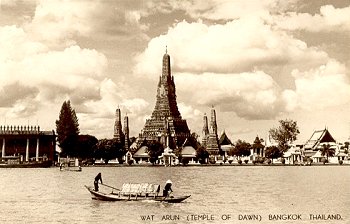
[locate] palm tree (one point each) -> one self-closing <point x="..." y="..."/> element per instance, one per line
<point x="327" y="151"/>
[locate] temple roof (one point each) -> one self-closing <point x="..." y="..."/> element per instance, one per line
<point x="142" y="152"/>
<point x="188" y="151"/>
<point x="224" y="140"/>
<point x="317" y="138"/>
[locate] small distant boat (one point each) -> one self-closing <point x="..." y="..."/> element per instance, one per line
<point x="135" y="192"/>
<point x="70" y="167"/>
<point x="41" y="164"/>
<point x="69" y="164"/>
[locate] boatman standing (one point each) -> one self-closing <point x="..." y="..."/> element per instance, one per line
<point x="167" y="188"/>
<point x="97" y="178"/>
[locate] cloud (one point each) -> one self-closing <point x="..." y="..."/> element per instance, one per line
<point x="319" y="88"/>
<point x="10" y="94"/>
<point x="32" y="74"/>
<point x="73" y="71"/>
<point x="240" y="45"/>
<point x="249" y="95"/>
<point x="221" y="10"/>
<point x="61" y="20"/>
<point x="330" y="19"/>
<point x="22" y="109"/>
<point x="188" y="111"/>
<point x="15" y="44"/>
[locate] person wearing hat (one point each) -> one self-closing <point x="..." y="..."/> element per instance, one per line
<point x="167" y="188"/>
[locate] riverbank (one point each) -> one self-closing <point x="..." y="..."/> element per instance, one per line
<point x="216" y="164"/>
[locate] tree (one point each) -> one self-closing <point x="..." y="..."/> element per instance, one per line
<point x="85" y="146"/>
<point x="108" y="149"/>
<point x="327" y="151"/>
<point x="67" y="128"/>
<point x="155" y="149"/>
<point x="202" y="154"/>
<point x="241" y="148"/>
<point x="285" y="134"/>
<point x="273" y="152"/>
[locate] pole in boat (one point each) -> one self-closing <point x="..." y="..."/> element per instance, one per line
<point x="111" y="187"/>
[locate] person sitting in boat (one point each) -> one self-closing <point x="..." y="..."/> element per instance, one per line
<point x="97" y="178"/>
<point x="167" y="188"/>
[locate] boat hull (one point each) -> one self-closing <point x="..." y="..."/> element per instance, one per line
<point x="44" y="164"/>
<point x="97" y="195"/>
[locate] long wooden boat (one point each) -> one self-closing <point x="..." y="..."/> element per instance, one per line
<point x="121" y="195"/>
<point x="43" y="164"/>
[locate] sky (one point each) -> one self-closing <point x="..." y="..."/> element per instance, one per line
<point x="255" y="61"/>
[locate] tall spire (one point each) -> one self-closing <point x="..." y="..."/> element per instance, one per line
<point x="213" y="141"/>
<point x="213" y="125"/>
<point x="166" y="71"/>
<point x="118" y="133"/>
<point x="166" y="109"/>
<point x="205" y="131"/>
<point x="126" y="132"/>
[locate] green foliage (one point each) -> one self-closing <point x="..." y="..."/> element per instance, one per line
<point x="67" y="128"/>
<point x="185" y="161"/>
<point x="260" y="160"/>
<point x="309" y="161"/>
<point x="155" y="149"/>
<point x="69" y="145"/>
<point x="212" y="160"/>
<point x="241" y="148"/>
<point x="273" y="152"/>
<point x="108" y="149"/>
<point x="202" y="154"/>
<point x="85" y="146"/>
<point x="81" y="146"/>
<point x="327" y="151"/>
<point x="67" y="123"/>
<point x="285" y="134"/>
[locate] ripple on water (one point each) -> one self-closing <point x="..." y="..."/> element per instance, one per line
<point x="51" y="196"/>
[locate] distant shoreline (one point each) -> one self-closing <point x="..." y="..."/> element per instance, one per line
<point x="216" y="164"/>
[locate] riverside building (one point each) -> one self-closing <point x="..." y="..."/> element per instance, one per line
<point x="21" y="144"/>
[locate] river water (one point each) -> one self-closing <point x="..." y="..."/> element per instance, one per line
<point x="219" y="194"/>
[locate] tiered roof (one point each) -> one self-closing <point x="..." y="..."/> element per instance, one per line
<point x="318" y="137"/>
